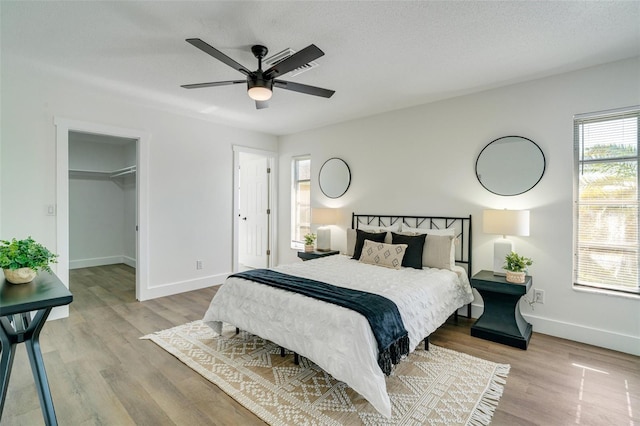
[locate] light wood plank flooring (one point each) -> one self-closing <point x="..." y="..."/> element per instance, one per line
<point x="102" y="374"/>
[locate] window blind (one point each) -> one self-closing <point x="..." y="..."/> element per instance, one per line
<point x="606" y="203"/>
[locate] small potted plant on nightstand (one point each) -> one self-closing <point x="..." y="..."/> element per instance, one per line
<point x="21" y="259"/>
<point x="308" y="242"/>
<point x="516" y="267"/>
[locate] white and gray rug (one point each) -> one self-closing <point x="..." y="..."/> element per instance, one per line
<point x="435" y="387"/>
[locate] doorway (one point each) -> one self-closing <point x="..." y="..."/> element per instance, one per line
<point x="102" y="208"/>
<point x="254" y="177"/>
<point x="65" y="128"/>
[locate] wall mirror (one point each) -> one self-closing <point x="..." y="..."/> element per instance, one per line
<point x="334" y="178"/>
<point x="510" y="165"/>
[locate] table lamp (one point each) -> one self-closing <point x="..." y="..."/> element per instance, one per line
<point x="504" y="222"/>
<point x="323" y="217"/>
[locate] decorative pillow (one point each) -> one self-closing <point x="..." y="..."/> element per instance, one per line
<point x="415" y="247"/>
<point x="351" y="241"/>
<point x="439" y="251"/>
<point x="373" y="228"/>
<point x="361" y="236"/>
<point x="432" y="232"/>
<point x="381" y="254"/>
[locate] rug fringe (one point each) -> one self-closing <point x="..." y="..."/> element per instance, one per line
<point x="484" y="410"/>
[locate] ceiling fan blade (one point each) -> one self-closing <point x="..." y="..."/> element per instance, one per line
<point x="212" y="84"/>
<point x="303" y="88"/>
<point x="298" y="59"/>
<point x="210" y="50"/>
<point x="262" y="104"/>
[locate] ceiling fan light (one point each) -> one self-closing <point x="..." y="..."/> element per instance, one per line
<point x="258" y="93"/>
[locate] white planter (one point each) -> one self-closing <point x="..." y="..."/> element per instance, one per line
<point x="20" y="276"/>
<point x="515" y="277"/>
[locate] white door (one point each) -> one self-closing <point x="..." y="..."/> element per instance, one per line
<point x="253" y="212"/>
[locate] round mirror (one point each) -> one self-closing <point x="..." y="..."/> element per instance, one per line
<point x="334" y="178"/>
<point x="510" y="165"/>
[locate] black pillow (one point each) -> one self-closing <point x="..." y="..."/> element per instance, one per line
<point x="363" y="235"/>
<point x="415" y="246"/>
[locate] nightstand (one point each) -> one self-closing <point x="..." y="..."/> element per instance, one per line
<point x="316" y="254"/>
<point x="501" y="320"/>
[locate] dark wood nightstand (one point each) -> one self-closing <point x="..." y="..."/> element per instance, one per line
<point x="501" y="320"/>
<point x="316" y="254"/>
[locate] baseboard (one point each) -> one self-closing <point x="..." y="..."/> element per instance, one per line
<point x="583" y="334"/>
<point x="129" y="261"/>
<point x="169" y="289"/>
<point x="101" y="261"/>
<point x="576" y="332"/>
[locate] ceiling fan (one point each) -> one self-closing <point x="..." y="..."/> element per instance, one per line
<point x="260" y="83"/>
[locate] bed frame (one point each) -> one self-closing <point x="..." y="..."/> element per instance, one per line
<point x="461" y="225"/>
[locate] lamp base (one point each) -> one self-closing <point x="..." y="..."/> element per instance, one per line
<point x="323" y="243"/>
<point x="501" y="248"/>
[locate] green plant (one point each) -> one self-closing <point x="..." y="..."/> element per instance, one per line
<point x="309" y="239"/>
<point x="516" y="263"/>
<point x="16" y="254"/>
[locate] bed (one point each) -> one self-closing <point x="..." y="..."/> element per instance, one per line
<point x="336" y="338"/>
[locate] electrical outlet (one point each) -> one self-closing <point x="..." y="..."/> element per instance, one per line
<point x="198" y="264"/>
<point x="538" y="296"/>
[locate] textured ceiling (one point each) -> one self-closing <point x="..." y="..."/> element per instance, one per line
<point x="379" y="56"/>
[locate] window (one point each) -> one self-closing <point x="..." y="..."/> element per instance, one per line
<point x="606" y="208"/>
<point x="300" y="201"/>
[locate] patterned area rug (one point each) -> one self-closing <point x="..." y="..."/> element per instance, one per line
<point x="435" y="387"/>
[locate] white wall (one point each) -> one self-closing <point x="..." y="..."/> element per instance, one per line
<point x="421" y="161"/>
<point x="189" y="172"/>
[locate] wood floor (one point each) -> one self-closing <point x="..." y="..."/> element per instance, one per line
<point x="102" y="374"/>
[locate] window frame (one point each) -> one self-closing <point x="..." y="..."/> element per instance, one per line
<point x="295" y="181"/>
<point x="579" y="164"/>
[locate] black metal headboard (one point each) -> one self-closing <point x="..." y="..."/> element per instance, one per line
<point x="462" y="226"/>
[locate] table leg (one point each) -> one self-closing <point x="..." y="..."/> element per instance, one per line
<point x="7" y="352"/>
<point x="27" y="330"/>
<point x="37" y="368"/>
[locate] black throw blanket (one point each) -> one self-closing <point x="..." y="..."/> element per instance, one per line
<point x="382" y="314"/>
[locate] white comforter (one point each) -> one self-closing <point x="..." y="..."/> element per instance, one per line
<point x="338" y="339"/>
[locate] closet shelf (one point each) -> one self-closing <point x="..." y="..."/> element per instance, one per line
<point x="102" y="174"/>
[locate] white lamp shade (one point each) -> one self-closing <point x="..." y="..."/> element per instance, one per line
<point x="324" y="216"/>
<point x="506" y="222"/>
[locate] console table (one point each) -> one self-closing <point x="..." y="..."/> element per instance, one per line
<point x="501" y="320"/>
<point x="17" y="301"/>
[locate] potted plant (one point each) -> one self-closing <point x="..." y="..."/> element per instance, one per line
<point x="516" y="267"/>
<point x="21" y="259"/>
<point x="308" y="242"/>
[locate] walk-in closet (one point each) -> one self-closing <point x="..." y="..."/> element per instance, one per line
<point x="102" y="206"/>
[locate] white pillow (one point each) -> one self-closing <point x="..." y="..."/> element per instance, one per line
<point x="428" y="231"/>
<point x="433" y="255"/>
<point x="387" y="255"/>
<point x="351" y="241"/>
<point x="439" y="252"/>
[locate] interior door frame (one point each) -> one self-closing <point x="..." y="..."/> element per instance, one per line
<point x="272" y="157"/>
<point x="63" y="127"/>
